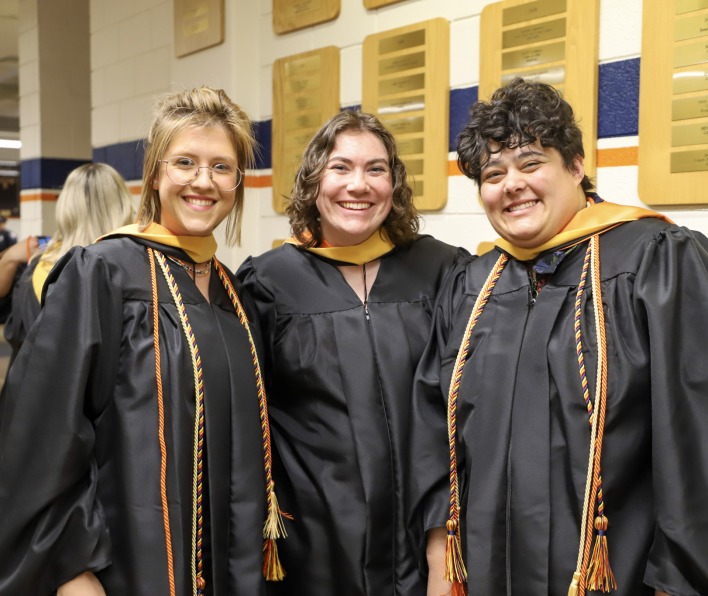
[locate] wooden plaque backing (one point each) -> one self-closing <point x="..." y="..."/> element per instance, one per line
<point x="291" y="15"/>
<point x="553" y="41"/>
<point x="370" y="4"/>
<point x="198" y="24"/>
<point x="407" y="84"/>
<point x="673" y="162"/>
<point x="305" y="96"/>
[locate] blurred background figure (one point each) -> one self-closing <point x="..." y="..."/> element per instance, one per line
<point x="94" y="201"/>
<point x="7" y="237"/>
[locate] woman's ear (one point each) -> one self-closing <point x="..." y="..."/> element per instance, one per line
<point x="578" y="168"/>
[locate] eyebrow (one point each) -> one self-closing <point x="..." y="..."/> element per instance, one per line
<point x="522" y="155"/>
<point x="349" y="161"/>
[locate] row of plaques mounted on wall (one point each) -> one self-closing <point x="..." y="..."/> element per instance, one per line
<point x="406" y="85"/>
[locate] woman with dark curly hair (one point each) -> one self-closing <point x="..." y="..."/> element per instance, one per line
<point x="562" y="396"/>
<point x="345" y="308"/>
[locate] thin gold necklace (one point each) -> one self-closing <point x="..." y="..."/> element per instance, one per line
<point x="191" y="267"/>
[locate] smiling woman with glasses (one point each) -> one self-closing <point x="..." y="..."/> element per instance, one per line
<point x="148" y="470"/>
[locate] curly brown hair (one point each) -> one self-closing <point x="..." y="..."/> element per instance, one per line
<point x="187" y="109"/>
<point x="401" y="224"/>
<point x="518" y="114"/>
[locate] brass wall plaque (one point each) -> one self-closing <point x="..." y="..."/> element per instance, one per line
<point x="673" y="103"/>
<point x="551" y="41"/>
<point x="526" y="11"/>
<point x="305" y="96"/>
<point x="291" y="15"/>
<point x="691" y="80"/>
<point x="692" y="107"/>
<point x="406" y="84"/>
<point x="370" y="4"/>
<point x="688" y="55"/>
<point x="684" y="6"/>
<point x="689" y="161"/>
<point x="533" y="33"/>
<point x="691" y="27"/>
<point x="198" y="24"/>
<point x="552" y="52"/>
<point x="554" y="75"/>
<point x="689" y="134"/>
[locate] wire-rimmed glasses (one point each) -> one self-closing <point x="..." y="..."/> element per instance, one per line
<point x="184" y="170"/>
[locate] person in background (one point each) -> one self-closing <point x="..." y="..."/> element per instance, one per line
<point x="7" y="237"/>
<point x="345" y="308"/>
<point x="563" y="397"/>
<point x="134" y="436"/>
<point x="93" y="201"/>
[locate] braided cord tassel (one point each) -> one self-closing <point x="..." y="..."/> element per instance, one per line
<point x="593" y="571"/>
<point x="599" y="573"/>
<point x="274" y="526"/>
<point x="198" y="580"/>
<point x="455" y="570"/>
<point x="161" y="429"/>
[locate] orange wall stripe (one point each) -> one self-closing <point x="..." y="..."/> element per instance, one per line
<point x="619" y="156"/>
<point x="264" y="181"/>
<point x="39" y="196"/>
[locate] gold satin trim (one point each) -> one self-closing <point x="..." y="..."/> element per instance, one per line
<point x="594" y="219"/>
<point x="199" y="248"/>
<point x="39" y="276"/>
<point x="374" y="247"/>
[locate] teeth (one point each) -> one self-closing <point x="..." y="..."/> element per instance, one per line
<point x="358" y="206"/>
<point x="200" y="202"/>
<point x="522" y="206"/>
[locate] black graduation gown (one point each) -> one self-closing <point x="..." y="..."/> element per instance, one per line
<point x="523" y="426"/>
<point x="339" y="395"/>
<point x="79" y="450"/>
<point x="25" y="309"/>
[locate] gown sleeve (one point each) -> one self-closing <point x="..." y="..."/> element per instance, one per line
<point x="671" y="290"/>
<point x="263" y="301"/>
<point x="52" y="527"/>
<point x="429" y="460"/>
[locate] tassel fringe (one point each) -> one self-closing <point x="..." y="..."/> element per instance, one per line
<point x="455" y="570"/>
<point x="272" y="569"/>
<point x="574" y="588"/>
<point x="600" y="576"/>
<point x="273" y="528"/>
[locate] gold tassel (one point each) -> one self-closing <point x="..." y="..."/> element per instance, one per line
<point x="599" y="575"/>
<point x="574" y="588"/>
<point x="272" y="569"/>
<point x="455" y="571"/>
<point x="273" y="528"/>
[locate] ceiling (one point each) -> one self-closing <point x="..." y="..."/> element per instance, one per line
<point x="9" y="87"/>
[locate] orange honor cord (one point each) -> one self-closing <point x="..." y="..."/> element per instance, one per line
<point x="455" y="570"/>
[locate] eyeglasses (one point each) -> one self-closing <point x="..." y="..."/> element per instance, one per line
<point x="184" y="170"/>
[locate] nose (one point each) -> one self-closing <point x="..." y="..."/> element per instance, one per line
<point x="203" y="177"/>
<point x="514" y="182"/>
<point x="357" y="181"/>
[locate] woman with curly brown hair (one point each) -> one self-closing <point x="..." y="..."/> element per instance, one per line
<point x="345" y="309"/>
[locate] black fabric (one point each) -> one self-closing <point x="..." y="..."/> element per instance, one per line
<point x="24" y="309"/>
<point x="339" y="395"/>
<point x="79" y="451"/>
<point x="523" y="426"/>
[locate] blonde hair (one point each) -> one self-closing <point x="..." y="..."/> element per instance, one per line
<point x="188" y="109"/>
<point x="93" y="201"/>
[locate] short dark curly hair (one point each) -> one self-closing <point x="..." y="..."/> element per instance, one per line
<point x="518" y="114"/>
<point x="401" y="224"/>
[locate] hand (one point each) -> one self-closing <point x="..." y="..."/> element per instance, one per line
<point x="435" y="553"/>
<point x="21" y="252"/>
<point x="86" y="584"/>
